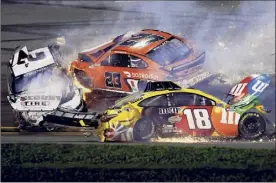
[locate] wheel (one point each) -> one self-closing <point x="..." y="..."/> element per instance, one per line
<point x="143" y="129"/>
<point x="83" y="78"/>
<point x="252" y="125"/>
<point x="51" y="128"/>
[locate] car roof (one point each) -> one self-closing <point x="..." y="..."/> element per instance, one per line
<point x="184" y="90"/>
<point x="138" y="46"/>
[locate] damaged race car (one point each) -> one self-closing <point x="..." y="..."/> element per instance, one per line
<point x="126" y="63"/>
<point x="41" y="92"/>
<point x="165" y="109"/>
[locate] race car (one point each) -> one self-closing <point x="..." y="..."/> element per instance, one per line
<point x="126" y="63"/>
<point x="39" y="88"/>
<point x="165" y="109"/>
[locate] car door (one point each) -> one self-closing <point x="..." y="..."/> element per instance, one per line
<point x="109" y="72"/>
<point x="123" y="72"/>
<point x="194" y="116"/>
<point x="138" y="73"/>
<point x="160" y="108"/>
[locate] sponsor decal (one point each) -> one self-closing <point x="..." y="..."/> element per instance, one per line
<point x="170" y="129"/>
<point x="170" y="110"/>
<point x="38" y="100"/>
<point x="35" y="103"/>
<point x="174" y="119"/>
<point x="141" y="75"/>
<point x="193" y="80"/>
<point x="39" y="97"/>
<point x="249" y="114"/>
<point x="229" y="117"/>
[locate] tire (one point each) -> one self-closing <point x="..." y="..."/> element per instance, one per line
<point x="83" y="78"/>
<point x="252" y="125"/>
<point x="144" y="129"/>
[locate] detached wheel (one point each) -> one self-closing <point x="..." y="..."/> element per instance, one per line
<point x="143" y="129"/>
<point x="83" y="78"/>
<point x="252" y="126"/>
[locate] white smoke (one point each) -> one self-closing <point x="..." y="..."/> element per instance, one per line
<point x="238" y="36"/>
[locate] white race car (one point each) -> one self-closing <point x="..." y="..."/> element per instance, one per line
<point x="39" y="88"/>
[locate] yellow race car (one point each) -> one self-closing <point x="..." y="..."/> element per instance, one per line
<point x="165" y="109"/>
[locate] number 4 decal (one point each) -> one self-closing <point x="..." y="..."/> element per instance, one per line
<point x="201" y="116"/>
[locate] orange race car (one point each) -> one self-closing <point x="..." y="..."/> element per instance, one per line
<point x="126" y="63"/>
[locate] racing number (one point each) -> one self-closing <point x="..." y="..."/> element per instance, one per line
<point x="197" y="118"/>
<point x="113" y="79"/>
<point x="24" y="58"/>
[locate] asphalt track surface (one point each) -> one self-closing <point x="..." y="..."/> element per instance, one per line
<point x="37" y="23"/>
<point x="80" y="139"/>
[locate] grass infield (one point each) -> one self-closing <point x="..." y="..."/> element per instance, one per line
<point x="138" y="162"/>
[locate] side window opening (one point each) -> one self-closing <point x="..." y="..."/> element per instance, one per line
<point x="183" y="99"/>
<point x="155" y="101"/>
<point x="136" y="62"/>
<point x="84" y="58"/>
<point x="124" y="60"/>
<point x="189" y="99"/>
<point x="203" y="101"/>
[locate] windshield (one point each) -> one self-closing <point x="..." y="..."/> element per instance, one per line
<point x="170" y="51"/>
<point x="131" y="98"/>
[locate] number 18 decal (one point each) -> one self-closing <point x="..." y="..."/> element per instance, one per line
<point x="198" y="118"/>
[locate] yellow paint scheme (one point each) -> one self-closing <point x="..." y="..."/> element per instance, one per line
<point x="129" y="113"/>
<point x="260" y="108"/>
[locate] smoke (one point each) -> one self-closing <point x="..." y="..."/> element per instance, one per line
<point x="238" y="36"/>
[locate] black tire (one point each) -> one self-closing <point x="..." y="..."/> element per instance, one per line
<point x="144" y="129"/>
<point x="252" y="125"/>
<point x="83" y="78"/>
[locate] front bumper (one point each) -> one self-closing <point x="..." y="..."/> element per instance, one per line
<point x="73" y="118"/>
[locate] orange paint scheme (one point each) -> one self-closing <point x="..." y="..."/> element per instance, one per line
<point x="95" y="65"/>
<point x="217" y="119"/>
<point x="225" y="122"/>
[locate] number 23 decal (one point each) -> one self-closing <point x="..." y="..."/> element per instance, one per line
<point x="198" y="118"/>
<point x="113" y="79"/>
